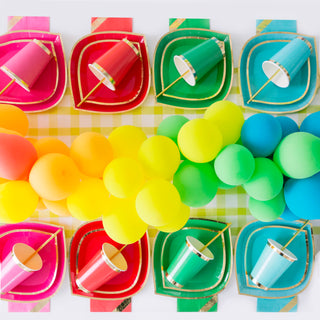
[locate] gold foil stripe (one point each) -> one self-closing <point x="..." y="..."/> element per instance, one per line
<point x="176" y="24"/>
<point x="290" y="305"/>
<point x="281" y="253"/>
<point x="258" y="284"/>
<point x="13" y="21"/>
<point x="210" y="304"/>
<point x="187" y="62"/>
<point x="262" y="25"/>
<point x="198" y="253"/>
<point x="132" y="46"/>
<point x="40" y="305"/>
<point x="122" y="305"/>
<point x="306" y="42"/>
<point x="282" y="68"/>
<point x="97" y="23"/>
<point x="43" y="47"/>
<point x="81" y="287"/>
<point x="172" y="281"/>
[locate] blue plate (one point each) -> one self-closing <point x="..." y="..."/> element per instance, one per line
<point x="273" y="99"/>
<point x="250" y="243"/>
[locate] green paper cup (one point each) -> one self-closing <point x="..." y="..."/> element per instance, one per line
<point x="199" y="60"/>
<point x="188" y="262"/>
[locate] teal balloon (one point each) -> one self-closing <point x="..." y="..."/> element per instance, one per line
<point x="298" y="155"/>
<point x="266" y="181"/>
<point x="267" y="210"/>
<point x="196" y="183"/>
<point x="311" y="124"/>
<point x="288" y="125"/>
<point x="171" y="126"/>
<point x="288" y="215"/>
<point x="234" y="165"/>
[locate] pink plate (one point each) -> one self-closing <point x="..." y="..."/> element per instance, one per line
<point x="87" y="241"/>
<point x="50" y="86"/>
<point x="130" y="93"/>
<point x="44" y="283"/>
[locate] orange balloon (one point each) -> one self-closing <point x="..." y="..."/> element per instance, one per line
<point x="13" y="118"/>
<point x="8" y="131"/>
<point x="57" y="207"/>
<point x="51" y="145"/>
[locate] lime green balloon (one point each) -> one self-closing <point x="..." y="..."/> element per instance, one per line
<point x="178" y="221"/>
<point x="157" y="202"/>
<point x="267" y="210"/>
<point x="123" y="177"/>
<point x="298" y="155"/>
<point x="160" y="157"/>
<point x="122" y="223"/>
<point x="228" y="117"/>
<point x="266" y="181"/>
<point x="199" y="140"/>
<point x="18" y="201"/>
<point x="171" y="126"/>
<point x="234" y="165"/>
<point x="89" y="201"/>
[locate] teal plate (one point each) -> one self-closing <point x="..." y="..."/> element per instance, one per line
<point x="214" y="86"/>
<point x="273" y="99"/>
<point x="250" y="243"/>
<point x="212" y="278"/>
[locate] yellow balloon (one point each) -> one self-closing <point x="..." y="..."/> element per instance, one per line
<point x="13" y="118"/>
<point x="18" y="201"/>
<point x="123" y="224"/>
<point x="157" y="202"/>
<point x="123" y="177"/>
<point x="92" y="152"/>
<point x="160" y="157"/>
<point x="2" y="180"/>
<point x="50" y="145"/>
<point x="59" y="208"/>
<point x="199" y="140"/>
<point x="228" y="117"/>
<point x="177" y="222"/>
<point x="89" y="201"/>
<point x="8" y="131"/>
<point x="126" y="141"/>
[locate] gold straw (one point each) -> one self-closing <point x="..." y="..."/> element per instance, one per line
<point x="89" y="94"/>
<point x="296" y="233"/>
<point x="216" y="236"/>
<point x="7" y="86"/>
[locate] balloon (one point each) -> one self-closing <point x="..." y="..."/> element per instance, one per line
<point x="261" y="133"/>
<point x="18" y="201"/>
<point x="288" y="215"/>
<point x="170" y="126"/>
<point x="123" y="177"/>
<point x="311" y="124"/>
<point x="50" y="145"/>
<point x="298" y="155"/>
<point x="199" y="140"/>
<point x="234" y="165"/>
<point x="17" y="156"/>
<point x="159" y="157"/>
<point x="302" y="197"/>
<point x="228" y="117"/>
<point x="157" y="202"/>
<point x="197" y="183"/>
<point x="41" y="205"/>
<point x="178" y="221"/>
<point x="54" y="176"/>
<point x="8" y="131"/>
<point x="288" y="126"/>
<point x="92" y="152"/>
<point x="13" y="118"/>
<point x="89" y="201"/>
<point x="59" y="207"/>
<point x="122" y="224"/>
<point x="266" y="181"/>
<point x="126" y="141"/>
<point x="267" y="210"/>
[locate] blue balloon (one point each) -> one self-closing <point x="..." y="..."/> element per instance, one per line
<point x="288" y="126"/>
<point x="311" y="124"/>
<point x="261" y="133"/>
<point x="302" y="197"/>
<point x="288" y="215"/>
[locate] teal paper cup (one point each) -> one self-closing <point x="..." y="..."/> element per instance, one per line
<point x="188" y="262"/>
<point x="271" y="265"/>
<point x="288" y="61"/>
<point x="199" y="60"/>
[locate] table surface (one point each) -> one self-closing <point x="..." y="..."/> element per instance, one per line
<point x="71" y="19"/>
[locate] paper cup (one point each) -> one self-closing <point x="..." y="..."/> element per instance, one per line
<point x="188" y="262"/>
<point x="26" y="66"/>
<point x="115" y="63"/>
<point x="288" y="61"/>
<point x="271" y="265"/>
<point x="14" y="269"/>
<point x="199" y="60"/>
<point x="104" y="266"/>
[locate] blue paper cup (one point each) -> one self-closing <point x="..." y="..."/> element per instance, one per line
<point x="288" y="61"/>
<point x="199" y="60"/>
<point x="271" y="265"/>
<point x="188" y="262"/>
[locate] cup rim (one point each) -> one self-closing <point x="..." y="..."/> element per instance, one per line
<point x="21" y="264"/>
<point x="109" y="262"/>
<point x="277" y="247"/>
<point x="205" y="255"/>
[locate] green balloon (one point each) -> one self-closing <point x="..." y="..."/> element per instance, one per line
<point x="267" y="210"/>
<point x="234" y="165"/>
<point x="197" y="183"/>
<point x="298" y="155"/>
<point x="266" y="181"/>
<point x="171" y="126"/>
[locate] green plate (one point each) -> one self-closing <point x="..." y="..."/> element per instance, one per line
<point x="212" y="278"/>
<point x="214" y="86"/>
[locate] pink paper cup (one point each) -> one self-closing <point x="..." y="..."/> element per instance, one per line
<point x="26" y="66"/>
<point x="16" y="267"/>
<point x="106" y="264"/>
<point x="115" y="63"/>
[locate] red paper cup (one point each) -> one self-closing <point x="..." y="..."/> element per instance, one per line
<point x="104" y="266"/>
<point x="115" y="63"/>
<point x="26" y="66"/>
<point x="14" y="269"/>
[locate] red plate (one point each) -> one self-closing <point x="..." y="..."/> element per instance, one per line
<point x="87" y="241"/>
<point x="130" y="93"/>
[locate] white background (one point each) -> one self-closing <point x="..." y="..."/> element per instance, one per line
<point x="72" y="20"/>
